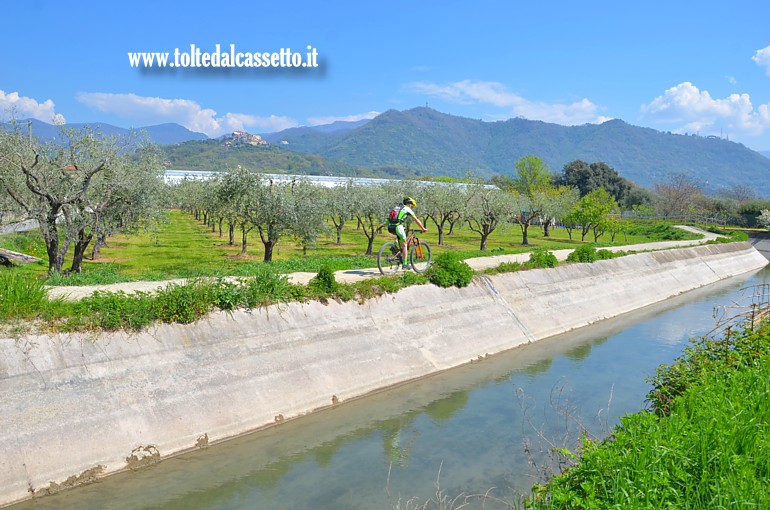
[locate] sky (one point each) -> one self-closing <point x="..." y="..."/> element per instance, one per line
<point x="682" y="67"/>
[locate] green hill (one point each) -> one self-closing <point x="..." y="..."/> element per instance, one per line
<point x="427" y="142"/>
<point x="216" y="155"/>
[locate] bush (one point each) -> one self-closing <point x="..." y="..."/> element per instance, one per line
<point x="268" y="287"/>
<point x="448" y="269"/>
<point x="324" y="283"/>
<point x="583" y="253"/>
<point x="540" y="257"/>
<point x="227" y="295"/>
<point x="183" y="303"/>
<point x="115" y="310"/>
<point x="607" y="254"/>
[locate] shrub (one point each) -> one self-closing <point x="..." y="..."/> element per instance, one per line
<point x="583" y="253"/>
<point x="227" y="295"/>
<point x="268" y="287"/>
<point x="115" y="310"/>
<point x="540" y="257"/>
<point x="324" y="283"/>
<point x="183" y="303"/>
<point x="448" y="269"/>
<point x="607" y="254"/>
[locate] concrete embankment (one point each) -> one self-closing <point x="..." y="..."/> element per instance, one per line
<point x="761" y="242"/>
<point x="76" y="407"/>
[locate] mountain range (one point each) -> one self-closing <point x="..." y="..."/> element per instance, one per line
<point x="425" y="142"/>
<point x="161" y="134"/>
<point x="429" y="142"/>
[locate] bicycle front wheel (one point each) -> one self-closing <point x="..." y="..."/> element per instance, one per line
<point x="388" y="261"/>
<point x="419" y="257"/>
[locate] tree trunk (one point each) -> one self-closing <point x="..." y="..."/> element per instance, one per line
<point x="244" y="236"/>
<point x="221" y="220"/>
<point x="101" y="240"/>
<point x="269" y="245"/>
<point x="231" y="228"/>
<point x="339" y="234"/>
<point x="51" y="237"/>
<point x="451" y="227"/>
<point x="81" y="243"/>
<point x="484" y="242"/>
<point x="525" y="234"/>
<point x="547" y="228"/>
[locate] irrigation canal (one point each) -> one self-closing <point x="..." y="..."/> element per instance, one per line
<point x="484" y="425"/>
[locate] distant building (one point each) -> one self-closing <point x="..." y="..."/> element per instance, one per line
<point x="244" y="137"/>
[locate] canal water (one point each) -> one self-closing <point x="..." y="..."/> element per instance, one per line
<point x="486" y="427"/>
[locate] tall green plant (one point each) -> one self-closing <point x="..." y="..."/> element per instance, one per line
<point x="20" y="297"/>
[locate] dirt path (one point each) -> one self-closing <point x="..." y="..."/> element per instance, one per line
<point x="354" y="275"/>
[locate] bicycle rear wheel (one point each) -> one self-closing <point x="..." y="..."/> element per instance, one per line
<point x="388" y="261"/>
<point x="420" y="257"/>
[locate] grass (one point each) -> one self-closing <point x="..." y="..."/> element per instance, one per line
<point x="703" y="444"/>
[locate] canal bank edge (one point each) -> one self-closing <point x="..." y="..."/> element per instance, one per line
<point x="76" y="407"/>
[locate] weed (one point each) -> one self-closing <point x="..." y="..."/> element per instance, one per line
<point x="20" y="295"/>
<point x="448" y="270"/>
<point x="541" y="258"/>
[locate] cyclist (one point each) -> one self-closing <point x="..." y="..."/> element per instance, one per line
<point x="398" y="217"/>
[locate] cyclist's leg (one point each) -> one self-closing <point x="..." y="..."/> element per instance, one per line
<point x="401" y="236"/>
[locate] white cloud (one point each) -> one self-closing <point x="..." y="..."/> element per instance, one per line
<point x="497" y="94"/>
<point x="762" y="58"/>
<point x="696" y="111"/>
<point x="186" y="112"/>
<point x="320" y="121"/>
<point x="12" y="104"/>
<point x="271" y="124"/>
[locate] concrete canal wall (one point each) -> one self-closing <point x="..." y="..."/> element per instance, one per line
<point x="761" y="242"/>
<point x="76" y="407"/>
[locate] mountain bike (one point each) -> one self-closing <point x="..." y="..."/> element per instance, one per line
<point x="389" y="257"/>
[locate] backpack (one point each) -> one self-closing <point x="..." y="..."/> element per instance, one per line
<point x="393" y="215"/>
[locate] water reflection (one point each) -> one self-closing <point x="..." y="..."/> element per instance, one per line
<point x="481" y="425"/>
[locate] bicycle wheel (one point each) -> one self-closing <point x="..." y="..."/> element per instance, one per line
<point x="387" y="260"/>
<point x="419" y="256"/>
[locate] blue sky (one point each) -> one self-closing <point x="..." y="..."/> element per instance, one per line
<point x="685" y="67"/>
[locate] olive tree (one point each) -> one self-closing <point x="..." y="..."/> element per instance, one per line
<point x="337" y="202"/>
<point x="232" y="192"/>
<point x="559" y="202"/>
<point x="127" y="195"/>
<point x="485" y="208"/>
<point x="443" y="203"/>
<point x="370" y="204"/>
<point x="67" y="186"/>
<point x="274" y="208"/>
<point x="308" y="210"/>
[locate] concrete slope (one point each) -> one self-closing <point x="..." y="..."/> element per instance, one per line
<point x="78" y="406"/>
